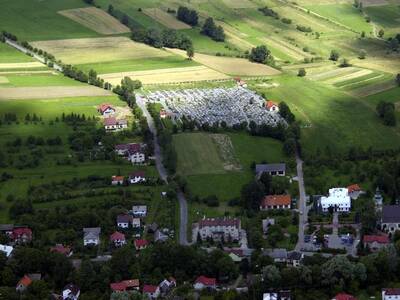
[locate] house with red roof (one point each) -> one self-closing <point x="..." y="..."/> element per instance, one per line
<point x="218" y="229"/>
<point x="21" y="235"/>
<point x="276" y="202"/>
<point x="112" y="124"/>
<point x="137" y="177"/>
<point x="117" y="180"/>
<point x="64" y="250"/>
<point x="203" y="282"/>
<point x="106" y="109"/>
<point x="23" y="284"/>
<point x="271" y="106"/>
<point x="134" y="152"/>
<point x="125" y="285"/>
<point x="391" y="294"/>
<point x="344" y="296"/>
<point x="375" y="242"/>
<point x="141" y="244"/>
<point x="151" y="291"/>
<point x="117" y="239"/>
<point x="354" y="191"/>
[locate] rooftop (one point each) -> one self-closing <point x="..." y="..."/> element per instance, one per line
<point x="219" y="222"/>
<point x="273" y="200"/>
<point x="261" y="168"/>
<point x="391" y="214"/>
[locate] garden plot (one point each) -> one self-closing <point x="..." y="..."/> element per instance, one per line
<point x="92" y="50"/>
<point x="165" y="19"/>
<point x="369" y="3"/>
<point x="95" y="19"/>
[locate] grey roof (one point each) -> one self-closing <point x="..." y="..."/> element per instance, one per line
<point x="91" y="232"/>
<point x="294" y="255"/>
<point x="278" y="253"/>
<point x="261" y="168"/>
<point x="391" y="214"/>
<point x="160" y="237"/>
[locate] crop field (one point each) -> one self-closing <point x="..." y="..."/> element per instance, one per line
<point x="165" y="18"/>
<point x="96" y="20"/>
<point x="170" y="75"/>
<point x="387" y="17"/>
<point x="373" y="89"/>
<point x="10" y="55"/>
<point x="25" y="65"/>
<point x="38" y="79"/>
<point x="93" y="50"/>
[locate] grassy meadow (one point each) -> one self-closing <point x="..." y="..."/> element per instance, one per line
<point x="9" y="55"/>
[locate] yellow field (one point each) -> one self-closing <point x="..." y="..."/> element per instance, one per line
<point x="3" y="79"/>
<point x="165" y="18"/>
<point x="95" y="19"/>
<point x="239" y="3"/>
<point x="51" y="92"/>
<point x="21" y="65"/>
<point x="231" y="65"/>
<point x="164" y="76"/>
<point x="91" y="50"/>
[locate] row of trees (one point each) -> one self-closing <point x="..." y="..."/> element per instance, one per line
<point x="216" y="32"/>
<point x="188" y="16"/>
<point x="162" y="38"/>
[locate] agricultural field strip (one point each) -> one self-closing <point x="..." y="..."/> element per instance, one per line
<point x="165" y="18"/>
<point x="369" y="3"/>
<point x="26" y="65"/>
<point x="347" y="77"/>
<point x="236" y="4"/>
<point x="373" y="89"/>
<point x="3" y="79"/>
<point x="17" y="72"/>
<point x="359" y="80"/>
<point x="51" y="92"/>
<point x="284" y="48"/>
<point x="95" y="19"/>
<point x="333" y="73"/>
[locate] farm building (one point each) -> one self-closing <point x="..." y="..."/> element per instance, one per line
<point x="271" y="169"/>
<point x="271" y="106"/>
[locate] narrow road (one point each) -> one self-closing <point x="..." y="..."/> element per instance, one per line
<point x="183" y="208"/>
<point x="302" y="205"/>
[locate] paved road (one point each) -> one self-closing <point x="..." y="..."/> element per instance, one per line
<point x="302" y="205"/>
<point x="183" y="209"/>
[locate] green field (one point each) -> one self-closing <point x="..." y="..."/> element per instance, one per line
<point x="10" y="55"/>
<point x="45" y="79"/>
<point x="386" y="17"/>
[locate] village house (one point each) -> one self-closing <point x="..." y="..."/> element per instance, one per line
<point x="139" y="211"/>
<point x="278" y="295"/>
<point x="236" y="255"/>
<point x="151" y="291"/>
<point x="271" y="106"/>
<point x="167" y="285"/>
<point x="26" y="281"/>
<point x="375" y="242"/>
<point x="112" y="124"/>
<point x="271" y="169"/>
<point x="136" y="222"/>
<point x="60" y="248"/>
<point x="354" y="191"/>
<point x="344" y="296"/>
<point x="164" y="114"/>
<point x="21" y="235"/>
<point x="390" y="221"/>
<point x="391" y="294"/>
<point x="294" y="258"/>
<point x="117" y="239"/>
<point x="91" y="236"/>
<point x="338" y="200"/>
<point x="123" y="220"/>
<point x="159" y="236"/>
<point x="117" y="180"/>
<point x="141" y="244"/>
<point x="276" y="202"/>
<point x="7" y="250"/>
<point x="106" y="110"/>
<point x="266" y="223"/>
<point x="279" y="255"/>
<point x="125" y="285"/>
<point x="7" y="229"/>
<point x="137" y="177"/>
<point x="134" y="152"/>
<point x="220" y="228"/>
<point x="71" y="292"/>
<point x="203" y="282"/>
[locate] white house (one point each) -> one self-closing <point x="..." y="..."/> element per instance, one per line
<point x="203" y="282"/>
<point x="71" y="292"/>
<point x="134" y="152"/>
<point x="137" y="177"/>
<point x="91" y="236"/>
<point x="7" y="250"/>
<point x="391" y="294"/>
<point x="271" y="106"/>
<point x="338" y="199"/>
<point x="136" y="222"/>
<point x="123" y="220"/>
<point x="218" y="228"/>
<point x="106" y="109"/>
<point x="112" y="124"/>
<point x="139" y="210"/>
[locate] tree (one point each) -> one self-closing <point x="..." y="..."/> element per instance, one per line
<point x="289" y="147"/>
<point x="381" y="33"/>
<point x="344" y="63"/>
<point x="398" y="79"/>
<point x="334" y="55"/>
<point x="302" y="72"/>
<point x="362" y="54"/>
<point x="386" y="111"/>
<point x="286" y="113"/>
<point x="260" y="54"/>
<point x="337" y="271"/>
<point x="213" y="31"/>
<point x="251" y="195"/>
<point x="266" y="180"/>
<point x="272" y="276"/>
<point x="110" y="9"/>
<point x="190" y="52"/>
<point x="362" y="34"/>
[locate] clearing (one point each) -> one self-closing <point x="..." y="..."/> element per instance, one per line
<point x="51" y="92"/>
<point x="95" y="19"/>
<point x="171" y="75"/>
<point x="92" y="50"/>
<point x="165" y="19"/>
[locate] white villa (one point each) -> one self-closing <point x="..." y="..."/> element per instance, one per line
<point x="338" y="199"/>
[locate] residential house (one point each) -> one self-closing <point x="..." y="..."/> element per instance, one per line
<point x="112" y="124"/>
<point x="23" y="284"/>
<point x="71" y="292"/>
<point x="271" y="106"/>
<point x="125" y="285"/>
<point x="7" y="250"/>
<point x="159" y="236"/>
<point x="141" y="244"/>
<point x="236" y="258"/>
<point x="294" y="258"/>
<point x="21" y="235"/>
<point x="117" y="239"/>
<point x="203" y="282"/>
<point x="117" y="180"/>
<point x="276" y="202"/>
<point x="137" y="177"/>
<point x="344" y="296"/>
<point x="375" y="242"/>
<point x="279" y="255"/>
<point x="220" y="228"/>
<point x="123" y="220"/>
<point x="391" y="294"/>
<point x="7" y="229"/>
<point x="106" y="110"/>
<point x="139" y="211"/>
<point x="266" y="223"/>
<point x="136" y="222"/>
<point x="354" y="191"/>
<point x="164" y="114"/>
<point x="64" y="250"/>
<point x="338" y="200"/>
<point x="277" y="295"/>
<point x="134" y="152"/>
<point x="91" y="236"/>
<point x="167" y="285"/>
<point x="390" y="221"/>
<point x="151" y="291"/>
<point x="271" y="169"/>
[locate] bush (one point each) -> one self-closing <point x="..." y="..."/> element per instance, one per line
<point x="302" y="72"/>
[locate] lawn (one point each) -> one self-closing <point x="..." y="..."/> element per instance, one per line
<point x="39" y="20"/>
<point x="10" y="55"/>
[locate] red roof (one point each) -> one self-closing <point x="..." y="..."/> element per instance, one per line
<point x="131" y="283"/>
<point x="343" y="296"/>
<point x="117" y="178"/>
<point x="381" y="239"/>
<point x="206" y="281"/>
<point x="149" y="288"/>
<point x="353" y="188"/>
<point x="118" y="286"/>
<point x="392" y="291"/>
<point x="273" y="200"/>
<point x="141" y="243"/>
<point x="270" y="104"/>
<point x="18" y="232"/>
<point x="110" y="121"/>
<point x="104" y="107"/>
<point x="25" y="281"/>
<point x="59" y="248"/>
<point x="219" y="222"/>
<point x="117" y="236"/>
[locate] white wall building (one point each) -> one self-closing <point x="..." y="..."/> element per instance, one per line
<point x="6" y="249"/>
<point x="338" y="199"/>
<point x="391" y="294"/>
<point x="218" y="228"/>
